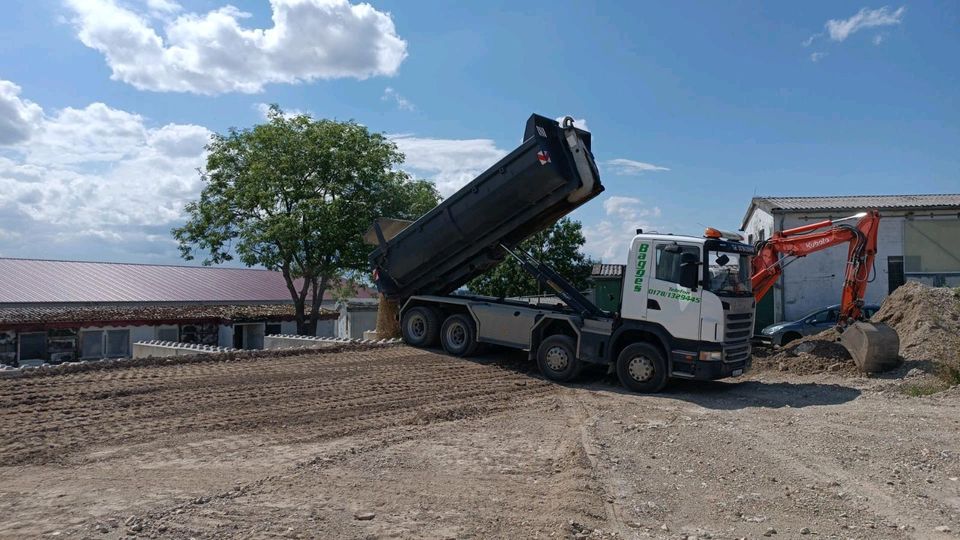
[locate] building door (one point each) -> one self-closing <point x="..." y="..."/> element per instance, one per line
<point x="764" y="317"/>
<point x="894" y="273"/>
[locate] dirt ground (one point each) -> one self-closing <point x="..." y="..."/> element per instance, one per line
<point x="403" y="443"/>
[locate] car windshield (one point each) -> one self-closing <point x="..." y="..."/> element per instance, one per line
<point x="729" y="273"/>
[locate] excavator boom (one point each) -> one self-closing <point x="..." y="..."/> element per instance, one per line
<point x="874" y="347"/>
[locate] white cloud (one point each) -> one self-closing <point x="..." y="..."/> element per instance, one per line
<point x="389" y="94"/>
<point x="609" y="238"/>
<point x="450" y="163"/>
<point x="98" y="176"/>
<point x="817" y="56"/>
<point x="629" y="167"/>
<point x="213" y="53"/>
<point x="18" y="117"/>
<point x="841" y="29"/>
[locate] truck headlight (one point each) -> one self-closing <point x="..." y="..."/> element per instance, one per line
<point x="711" y="355"/>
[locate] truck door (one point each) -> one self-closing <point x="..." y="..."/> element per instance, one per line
<point x="675" y="307"/>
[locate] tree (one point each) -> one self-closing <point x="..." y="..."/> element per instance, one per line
<point x="296" y="194"/>
<point x="559" y="246"/>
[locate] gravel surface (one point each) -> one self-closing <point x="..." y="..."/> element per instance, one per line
<point x="403" y="443"/>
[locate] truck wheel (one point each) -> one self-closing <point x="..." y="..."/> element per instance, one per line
<point x="420" y="327"/>
<point x="642" y="368"/>
<point x="458" y="336"/>
<point x="557" y="358"/>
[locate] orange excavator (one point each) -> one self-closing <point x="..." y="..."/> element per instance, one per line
<point x="873" y="346"/>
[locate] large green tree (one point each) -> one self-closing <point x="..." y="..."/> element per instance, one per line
<point x="559" y="246"/>
<point x="295" y="194"/>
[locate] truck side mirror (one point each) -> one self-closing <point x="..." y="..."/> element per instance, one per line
<point x="690" y="275"/>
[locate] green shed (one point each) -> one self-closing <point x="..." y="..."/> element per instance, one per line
<point x="607" y="280"/>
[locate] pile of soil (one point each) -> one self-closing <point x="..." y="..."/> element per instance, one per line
<point x="927" y="320"/>
<point x="812" y="354"/>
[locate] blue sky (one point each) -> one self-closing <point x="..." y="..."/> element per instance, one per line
<point x="695" y="107"/>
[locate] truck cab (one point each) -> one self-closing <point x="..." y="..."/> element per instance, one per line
<point x="695" y="292"/>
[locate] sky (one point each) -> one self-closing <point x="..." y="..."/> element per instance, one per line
<point x="106" y="105"/>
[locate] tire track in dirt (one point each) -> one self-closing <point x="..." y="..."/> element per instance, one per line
<point x="309" y="397"/>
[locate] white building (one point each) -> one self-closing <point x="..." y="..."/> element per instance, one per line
<point x="919" y="240"/>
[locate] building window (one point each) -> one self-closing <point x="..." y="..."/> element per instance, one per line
<point x="33" y="346"/>
<point x="930" y="246"/>
<point x="273" y="329"/>
<point x="168" y="333"/>
<point x="105" y="344"/>
<point x="668" y="264"/>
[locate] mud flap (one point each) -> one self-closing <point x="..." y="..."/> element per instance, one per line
<point x="874" y="347"/>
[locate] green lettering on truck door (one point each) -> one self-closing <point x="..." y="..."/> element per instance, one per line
<point x="641" y="267"/>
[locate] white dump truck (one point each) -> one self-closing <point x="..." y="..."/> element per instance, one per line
<point x="686" y="309"/>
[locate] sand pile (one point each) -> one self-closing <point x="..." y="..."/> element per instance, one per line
<point x="926" y="318"/>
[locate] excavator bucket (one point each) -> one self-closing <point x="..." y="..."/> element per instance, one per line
<point x="874" y="347"/>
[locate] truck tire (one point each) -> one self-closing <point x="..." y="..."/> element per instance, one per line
<point x="458" y="335"/>
<point x="642" y="368"/>
<point x="420" y="327"/>
<point x="557" y="358"/>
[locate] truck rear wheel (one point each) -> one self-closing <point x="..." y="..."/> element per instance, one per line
<point x="458" y="335"/>
<point x="642" y="368"/>
<point x="420" y="326"/>
<point x="557" y="358"/>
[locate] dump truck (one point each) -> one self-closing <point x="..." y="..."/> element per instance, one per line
<point x="686" y="310"/>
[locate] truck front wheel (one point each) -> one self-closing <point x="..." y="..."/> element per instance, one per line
<point x="557" y="358"/>
<point x="420" y="326"/>
<point x="458" y="336"/>
<point x="642" y="368"/>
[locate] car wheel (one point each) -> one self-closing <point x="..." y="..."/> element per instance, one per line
<point x="420" y="326"/>
<point x="557" y="358"/>
<point x="458" y="335"/>
<point x="788" y="337"/>
<point x="642" y="368"/>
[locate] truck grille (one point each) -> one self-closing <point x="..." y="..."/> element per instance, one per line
<point x="738" y="328"/>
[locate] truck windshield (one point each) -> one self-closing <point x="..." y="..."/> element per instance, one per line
<point x="729" y="273"/>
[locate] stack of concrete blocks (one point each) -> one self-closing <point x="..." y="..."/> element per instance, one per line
<point x="155" y="348"/>
<point x="285" y="341"/>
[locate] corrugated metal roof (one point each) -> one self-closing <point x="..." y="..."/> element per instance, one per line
<point x="42" y="281"/>
<point x="607" y="270"/>
<point x="154" y="314"/>
<point x="853" y="202"/>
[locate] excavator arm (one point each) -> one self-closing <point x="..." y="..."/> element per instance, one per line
<point x="786" y="246"/>
<point x="874" y="347"/>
